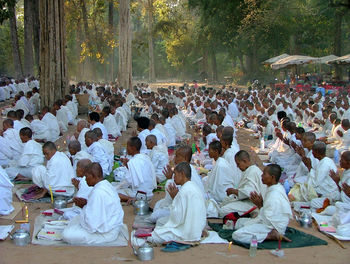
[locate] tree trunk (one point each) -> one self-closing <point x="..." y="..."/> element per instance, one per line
<point x="125" y="60"/>
<point x="88" y="62"/>
<point x="28" y="38"/>
<point x="151" y="70"/>
<point x="36" y="32"/>
<point x="111" y="28"/>
<point x="337" y="41"/>
<point x="213" y="65"/>
<point x="53" y="81"/>
<point x="15" y="47"/>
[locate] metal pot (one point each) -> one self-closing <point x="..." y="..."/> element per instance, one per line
<point x="305" y="220"/>
<point x="141" y="206"/>
<point x="144" y="252"/>
<point x="20" y="237"/>
<point x="60" y="203"/>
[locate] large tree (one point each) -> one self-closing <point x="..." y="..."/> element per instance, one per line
<point x="125" y="59"/>
<point x="14" y="37"/>
<point x="53" y="80"/>
<point x="28" y="37"/>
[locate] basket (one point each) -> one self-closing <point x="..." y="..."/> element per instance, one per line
<point x="83" y="99"/>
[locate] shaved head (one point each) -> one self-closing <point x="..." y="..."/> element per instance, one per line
<point x="309" y="136"/>
<point x="319" y="147"/>
<point x="94" y="169"/>
<point x="74" y="144"/>
<point x="152" y="138"/>
<point x="83" y="163"/>
<point x="242" y="155"/>
<point x="228" y="130"/>
<point x="185" y="152"/>
<point x="346" y="155"/>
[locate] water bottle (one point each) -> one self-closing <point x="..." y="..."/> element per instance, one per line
<point x="253" y="246"/>
<point x="262" y="144"/>
<point x="336" y="156"/>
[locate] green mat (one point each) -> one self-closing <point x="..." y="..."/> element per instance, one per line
<point x="160" y="187"/>
<point x="23" y="182"/>
<point x="299" y="239"/>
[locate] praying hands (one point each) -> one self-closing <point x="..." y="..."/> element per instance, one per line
<point x="168" y="172"/>
<point x="172" y="190"/>
<point x="80" y="202"/>
<point x="256" y="199"/>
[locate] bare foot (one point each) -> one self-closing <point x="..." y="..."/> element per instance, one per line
<point x="20" y="177"/>
<point x="40" y="193"/>
<point x="274" y="235"/>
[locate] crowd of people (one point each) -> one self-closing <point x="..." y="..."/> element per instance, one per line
<point x="305" y="135"/>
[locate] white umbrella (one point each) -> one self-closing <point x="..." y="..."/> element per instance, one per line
<point x="292" y="60"/>
<point x="341" y="60"/>
<point x="277" y="58"/>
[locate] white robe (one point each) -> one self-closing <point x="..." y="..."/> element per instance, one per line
<point x="16" y="145"/>
<point x="54" y="129"/>
<point x="112" y="126"/>
<point x="5" y="193"/>
<point x="320" y="180"/>
<point x="58" y="175"/>
<point x="6" y="154"/>
<point x="250" y="182"/>
<point x="109" y="148"/>
<point x="219" y="180"/>
<point x="161" y="138"/>
<point x="103" y="129"/>
<point x="31" y="157"/>
<point x="187" y="217"/>
<point x="141" y="176"/>
<point x="142" y="136"/>
<point x="229" y="155"/>
<point x="82" y="154"/>
<point x="101" y="219"/>
<point x="62" y="119"/>
<point x="302" y="171"/>
<point x="160" y="159"/>
<point x="171" y="134"/>
<point x="81" y="138"/>
<point x="99" y="154"/>
<point x="274" y="214"/>
<point x="40" y="130"/>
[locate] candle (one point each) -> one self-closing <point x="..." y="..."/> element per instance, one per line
<point x="51" y="194"/>
<point x="229" y="245"/>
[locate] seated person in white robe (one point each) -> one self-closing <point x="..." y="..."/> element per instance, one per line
<point x="106" y="144"/>
<point x="159" y="156"/>
<point x="110" y="123"/>
<point x="187" y="218"/>
<point x="39" y="128"/>
<point x="275" y="211"/>
<point x="57" y="174"/>
<point x="82" y="128"/>
<point x="76" y="154"/>
<point x="83" y="190"/>
<point x="97" y="151"/>
<point x="31" y="156"/>
<point x="51" y="121"/>
<point x="305" y="152"/>
<point x="220" y="178"/>
<point x="229" y="155"/>
<point x="61" y="115"/>
<point x="94" y="120"/>
<point x="319" y="185"/>
<point x="161" y="138"/>
<point x="12" y="136"/>
<point x="162" y="207"/>
<point x="238" y="198"/>
<point x="344" y="143"/>
<point x="6" y="153"/>
<point x="6" y="186"/>
<point x="141" y="175"/>
<point x="142" y="128"/>
<point x="101" y="219"/>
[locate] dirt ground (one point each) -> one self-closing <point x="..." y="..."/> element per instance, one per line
<point x="219" y="253"/>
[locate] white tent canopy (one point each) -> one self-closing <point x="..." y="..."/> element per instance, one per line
<point x="292" y="60"/>
<point x="277" y="58"/>
<point x="341" y="60"/>
<point x="325" y="59"/>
